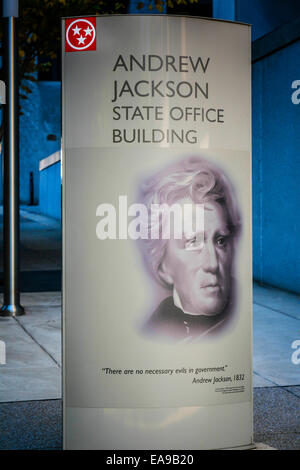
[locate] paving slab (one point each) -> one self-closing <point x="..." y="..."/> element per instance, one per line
<point x="276" y="299"/>
<point x="261" y="381"/>
<point x="21" y="350"/>
<point x="33" y="350"/>
<point x="32" y="383"/>
<point x="39" y="299"/>
<point x="43" y="324"/>
<point x="273" y="335"/>
<point x="43" y="299"/>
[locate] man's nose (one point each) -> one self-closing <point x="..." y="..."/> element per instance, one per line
<point x="210" y="259"/>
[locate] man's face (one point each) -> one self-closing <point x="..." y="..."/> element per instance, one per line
<point x="199" y="266"/>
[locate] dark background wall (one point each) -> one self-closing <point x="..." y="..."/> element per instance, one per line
<point x="276" y="169"/>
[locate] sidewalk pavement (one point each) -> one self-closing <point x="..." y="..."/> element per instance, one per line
<point x="30" y="385"/>
<point x="30" y="382"/>
<point x="33" y="350"/>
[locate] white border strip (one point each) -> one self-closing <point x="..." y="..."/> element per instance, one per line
<point x="50" y="160"/>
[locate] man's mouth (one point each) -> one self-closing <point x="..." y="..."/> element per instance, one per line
<point x="209" y="284"/>
<point x="211" y="287"/>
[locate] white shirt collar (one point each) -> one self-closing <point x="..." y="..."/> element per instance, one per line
<point x="177" y="303"/>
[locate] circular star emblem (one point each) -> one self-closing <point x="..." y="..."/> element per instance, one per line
<point x="80" y="34"/>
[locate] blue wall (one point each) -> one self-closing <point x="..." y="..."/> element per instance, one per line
<point x="50" y="191"/>
<point x="263" y="15"/>
<point x="276" y="143"/>
<point x="224" y="9"/>
<point x="266" y="15"/>
<point x="41" y="117"/>
<point x="276" y="170"/>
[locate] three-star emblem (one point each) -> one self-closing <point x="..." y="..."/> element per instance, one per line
<point x="80" y="34"/>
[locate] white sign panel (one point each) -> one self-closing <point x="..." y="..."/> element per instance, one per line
<point x="157" y="233"/>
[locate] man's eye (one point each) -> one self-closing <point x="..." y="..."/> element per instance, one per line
<point x="222" y="242"/>
<point x="190" y="243"/>
<point x="194" y="244"/>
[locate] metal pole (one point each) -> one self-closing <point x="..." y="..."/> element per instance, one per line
<point x="11" y="306"/>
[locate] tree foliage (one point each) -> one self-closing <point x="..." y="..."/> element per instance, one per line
<point x="40" y="29"/>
